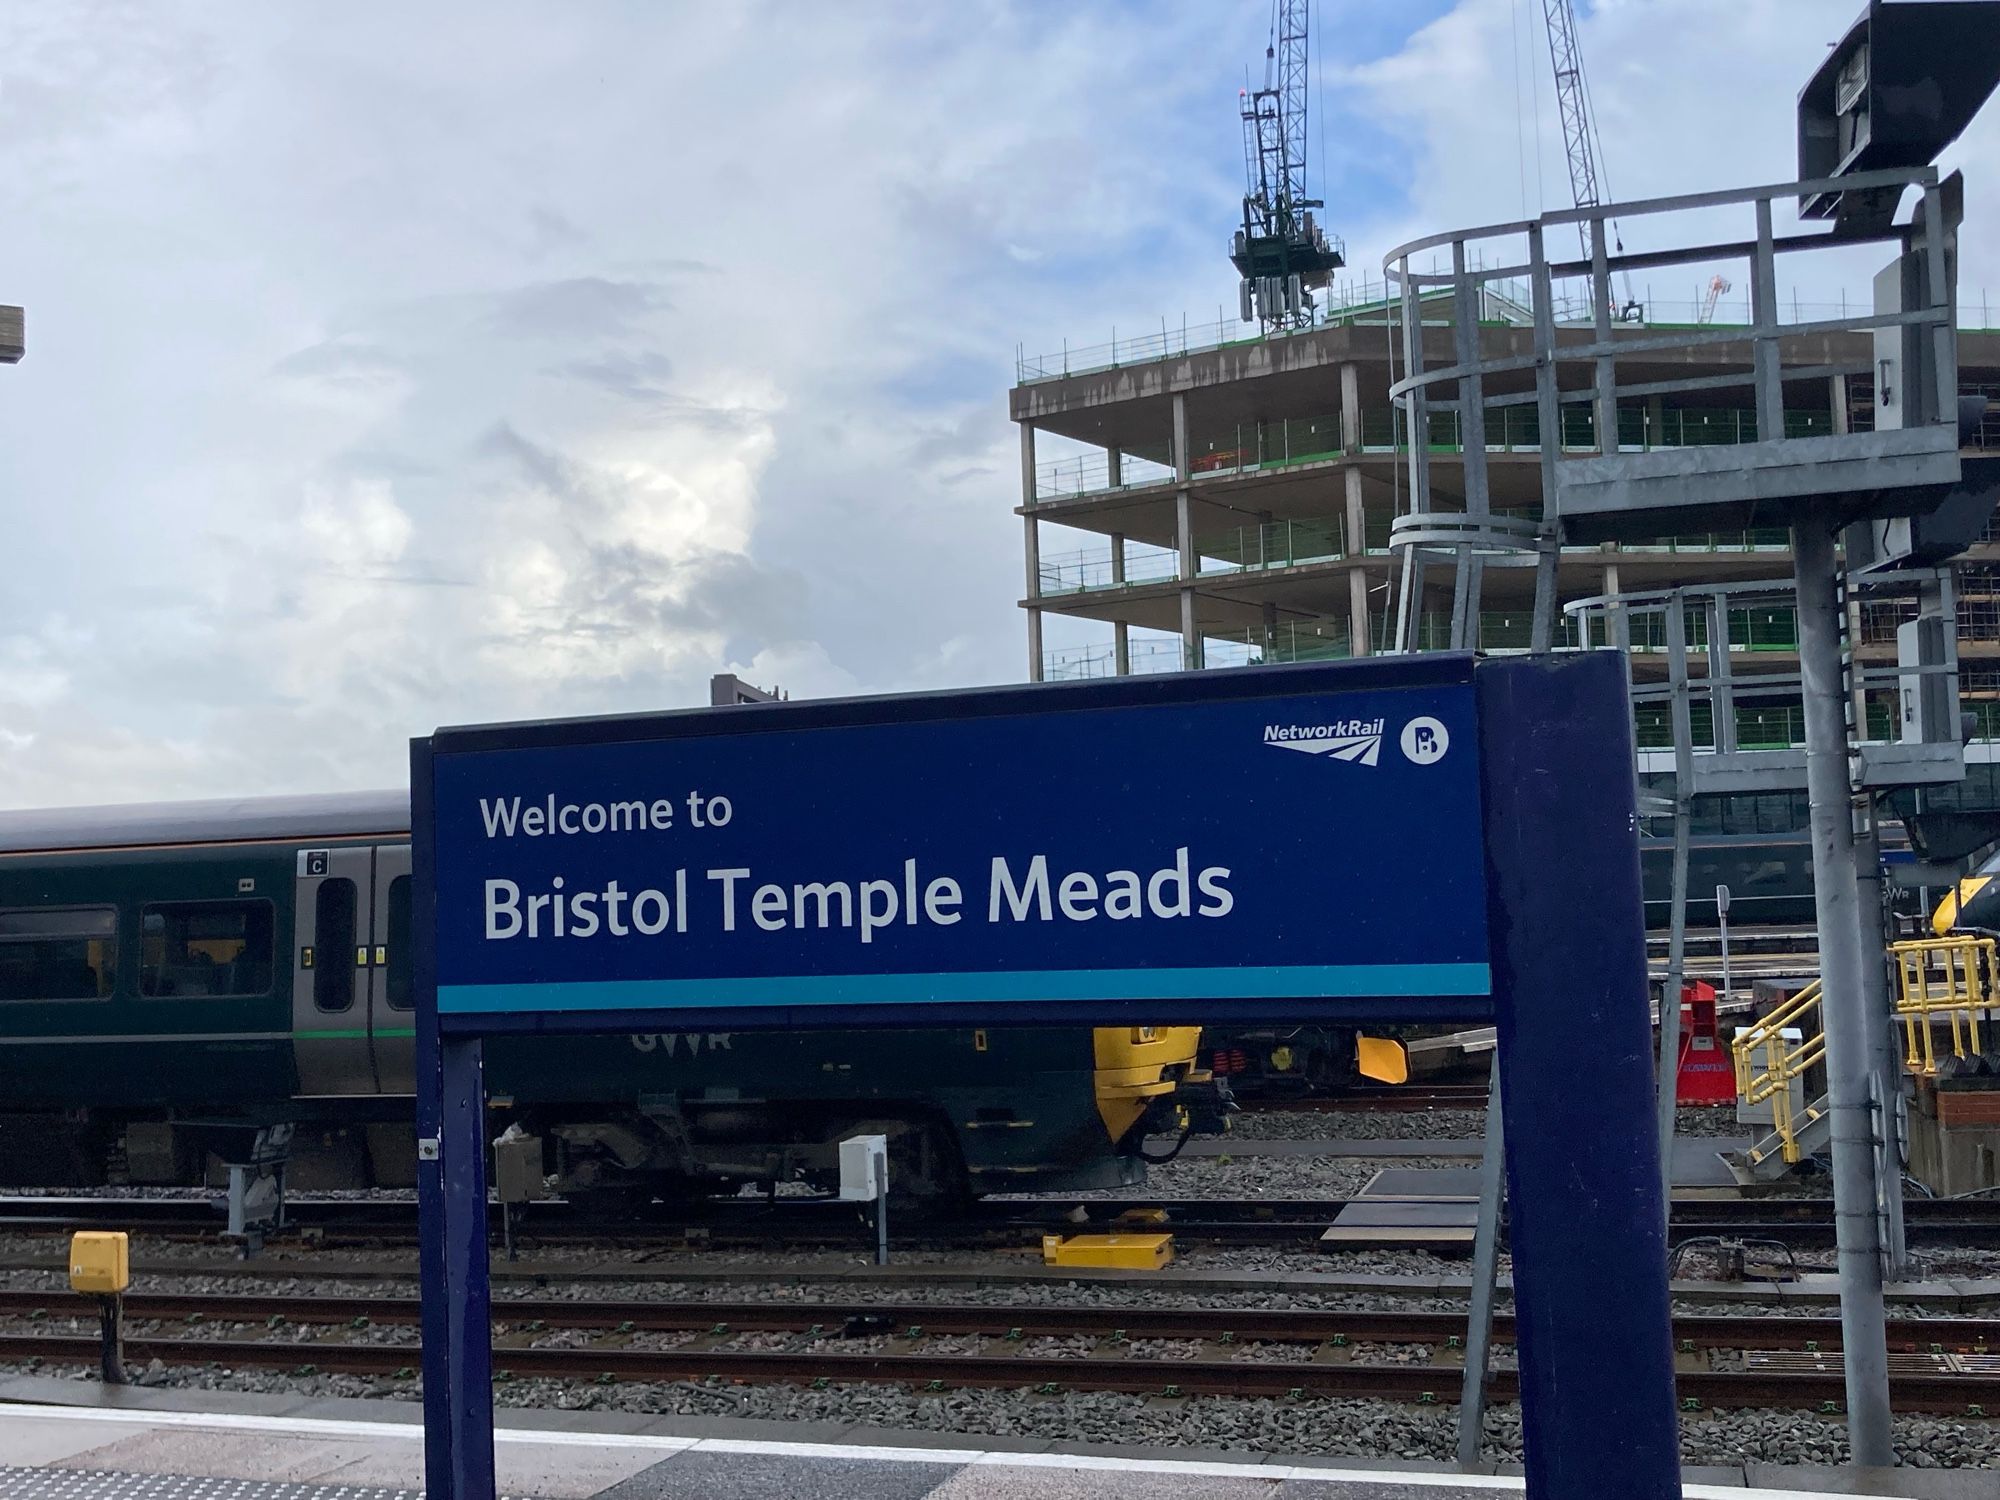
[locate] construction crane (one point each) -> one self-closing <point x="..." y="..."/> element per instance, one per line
<point x="1717" y="286"/>
<point x="1580" y="142"/>
<point x="1281" y="252"/>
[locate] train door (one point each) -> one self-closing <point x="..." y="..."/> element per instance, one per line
<point x="334" y="899"/>
<point x="391" y="1021"/>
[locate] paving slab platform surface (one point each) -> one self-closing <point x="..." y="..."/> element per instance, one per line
<point x="69" y="1440"/>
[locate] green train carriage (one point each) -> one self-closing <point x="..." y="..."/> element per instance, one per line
<point x="174" y="978"/>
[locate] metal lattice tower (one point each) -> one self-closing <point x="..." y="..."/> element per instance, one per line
<point x="1573" y="104"/>
<point x="1280" y="251"/>
<point x="1274" y="121"/>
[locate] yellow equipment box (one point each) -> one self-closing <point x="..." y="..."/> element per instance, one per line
<point x="1122" y="1252"/>
<point x="100" y="1261"/>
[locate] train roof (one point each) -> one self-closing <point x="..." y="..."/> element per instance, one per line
<point x="219" y="820"/>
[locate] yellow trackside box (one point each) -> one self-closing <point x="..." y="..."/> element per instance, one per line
<point x="1125" y="1252"/>
<point x="100" y="1261"/>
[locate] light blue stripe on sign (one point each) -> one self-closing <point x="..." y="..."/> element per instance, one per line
<point x="1327" y="981"/>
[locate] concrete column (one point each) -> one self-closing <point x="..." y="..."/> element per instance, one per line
<point x="1357" y="546"/>
<point x="1350" y="408"/>
<point x="1357" y="516"/>
<point x="1837" y="399"/>
<point x="1121" y="642"/>
<point x="1184" y="532"/>
<point x="1656" y="421"/>
<point x="1270" y="629"/>
<point x="1114" y="464"/>
<point x="1032" y="547"/>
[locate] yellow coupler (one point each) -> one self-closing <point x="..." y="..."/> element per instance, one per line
<point x="1118" y="1252"/>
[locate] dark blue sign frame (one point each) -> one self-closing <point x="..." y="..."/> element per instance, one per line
<point x="1529" y="914"/>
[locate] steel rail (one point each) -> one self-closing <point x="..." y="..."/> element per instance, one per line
<point x="1096" y="1372"/>
<point x="1335" y="1328"/>
<point x="1802" y="1222"/>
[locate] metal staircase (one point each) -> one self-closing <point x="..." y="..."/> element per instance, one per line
<point x="1773" y="1056"/>
<point x="1953" y="982"/>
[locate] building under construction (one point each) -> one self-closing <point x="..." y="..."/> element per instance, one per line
<point x="1221" y="494"/>
<point x="1780" y="514"/>
<point x="1211" y="500"/>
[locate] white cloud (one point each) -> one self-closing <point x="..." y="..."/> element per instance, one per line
<point x="1698" y="96"/>
<point x="391" y="367"/>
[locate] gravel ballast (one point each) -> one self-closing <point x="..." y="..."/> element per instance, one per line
<point x="1348" y="1427"/>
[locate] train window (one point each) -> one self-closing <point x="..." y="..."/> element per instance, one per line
<point x="333" y="937"/>
<point x="399" y="944"/>
<point x="58" y="953"/>
<point x="196" y="949"/>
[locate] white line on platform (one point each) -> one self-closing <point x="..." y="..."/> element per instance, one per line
<point x="667" y="1445"/>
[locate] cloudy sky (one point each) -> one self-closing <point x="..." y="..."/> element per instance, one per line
<point x="401" y="365"/>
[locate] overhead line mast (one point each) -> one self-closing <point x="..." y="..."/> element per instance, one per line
<point x="1281" y="252"/>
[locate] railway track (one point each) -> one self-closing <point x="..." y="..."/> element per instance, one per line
<point x="1798" y="1222"/>
<point x="1406" y="1098"/>
<point x="1789" y="940"/>
<point x="1939" y="1364"/>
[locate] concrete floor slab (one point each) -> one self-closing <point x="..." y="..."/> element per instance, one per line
<point x="355" y="1409"/>
<point x="1160" y="1453"/>
<point x="1054" y="1482"/>
<point x="204" y="1452"/>
<point x="760" y="1476"/>
<point x="967" y="1442"/>
<point x="96" y="1484"/>
<point x="748" y="1429"/>
<point x="1387" y="1467"/>
<point x="27" y="1441"/>
<point x="48" y="1390"/>
<point x="1713" y="1474"/>
<point x="547" y="1471"/>
<point x="1916" y="1484"/>
<point x="1383" y="1489"/>
<point x="539" y="1419"/>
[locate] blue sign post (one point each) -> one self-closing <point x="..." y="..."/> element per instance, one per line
<point x="1420" y="838"/>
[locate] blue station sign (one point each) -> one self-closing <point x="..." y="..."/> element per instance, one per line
<point x="1295" y="834"/>
<point x="1406" y="838"/>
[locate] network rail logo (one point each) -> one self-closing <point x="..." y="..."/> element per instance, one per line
<point x="1424" y="740"/>
<point x="1355" y="740"/>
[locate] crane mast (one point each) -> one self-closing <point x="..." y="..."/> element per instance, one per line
<point x="1573" y="104"/>
<point x="1281" y="252"/>
<point x="1579" y="126"/>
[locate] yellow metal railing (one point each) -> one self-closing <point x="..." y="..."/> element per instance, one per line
<point x="1767" y="1061"/>
<point x="1957" y="977"/>
<point x="1954" y="977"/>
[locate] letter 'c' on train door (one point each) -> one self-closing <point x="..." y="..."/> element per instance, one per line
<point x="330" y="971"/>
